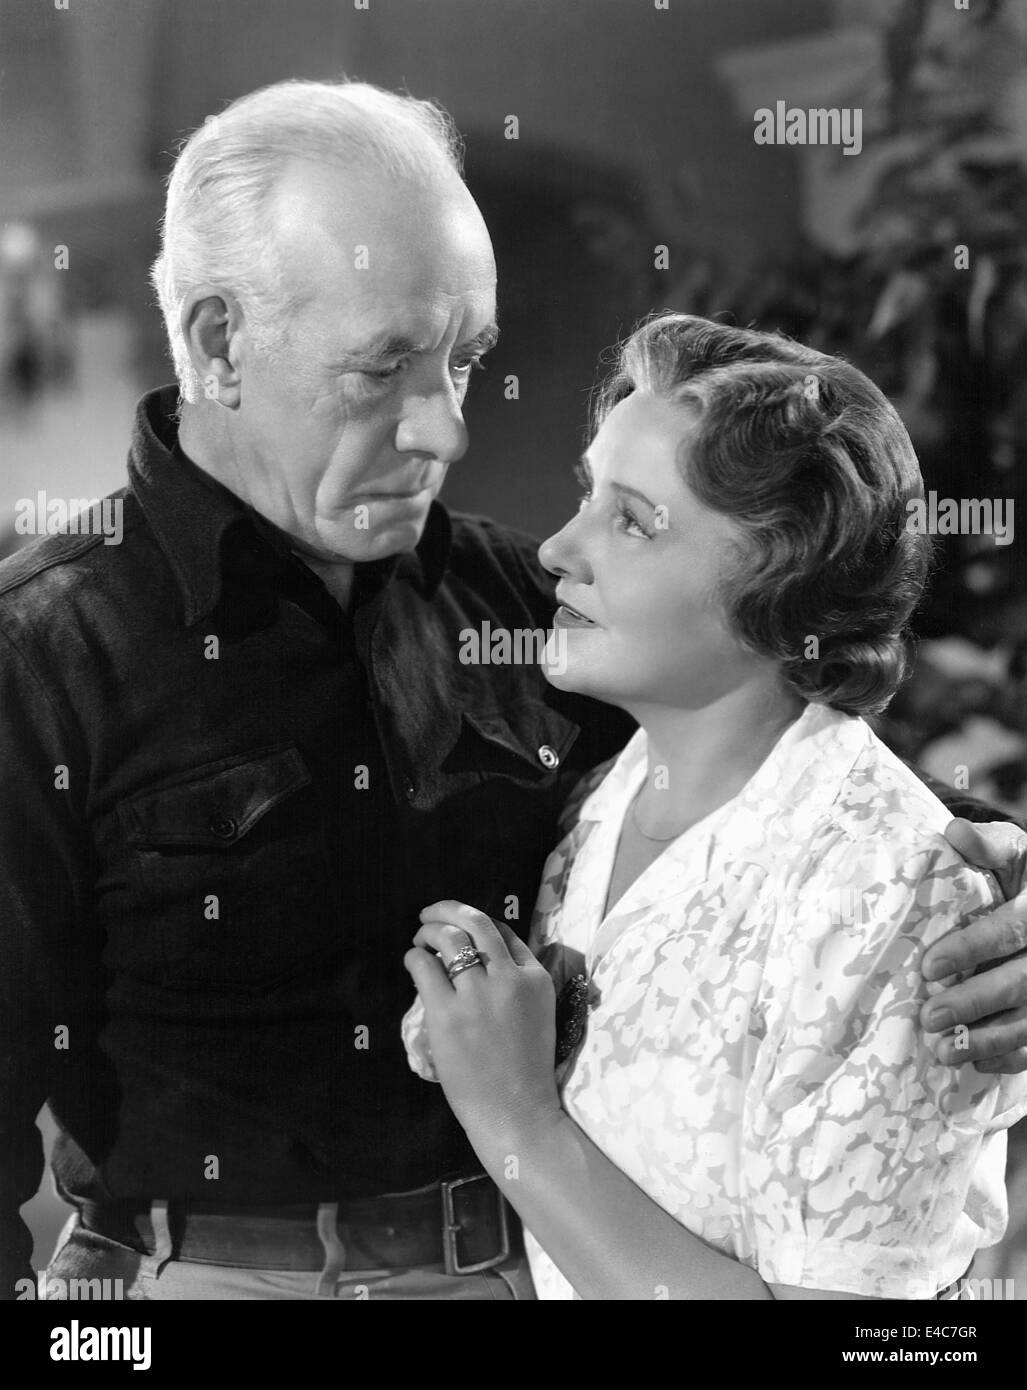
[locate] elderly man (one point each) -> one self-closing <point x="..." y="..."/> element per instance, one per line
<point x="240" y="752"/>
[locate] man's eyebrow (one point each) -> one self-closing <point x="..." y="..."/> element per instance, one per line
<point x="389" y="345"/>
<point x="378" y="349"/>
<point x="583" y="473"/>
<point x="484" y="341"/>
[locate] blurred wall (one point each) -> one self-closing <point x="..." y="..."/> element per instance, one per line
<point x="626" y="140"/>
<point x="613" y="96"/>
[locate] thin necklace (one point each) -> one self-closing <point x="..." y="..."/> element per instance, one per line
<point x="656" y="839"/>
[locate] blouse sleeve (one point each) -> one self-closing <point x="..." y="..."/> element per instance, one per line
<point x="870" y="1167"/>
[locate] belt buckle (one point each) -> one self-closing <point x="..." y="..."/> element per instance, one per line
<point x="451" y="1227"/>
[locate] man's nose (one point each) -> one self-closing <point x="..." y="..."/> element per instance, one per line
<point x="434" y="426"/>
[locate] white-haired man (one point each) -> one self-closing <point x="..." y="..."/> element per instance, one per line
<point x="240" y="753"/>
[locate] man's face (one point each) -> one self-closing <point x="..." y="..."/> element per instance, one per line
<point x="344" y="441"/>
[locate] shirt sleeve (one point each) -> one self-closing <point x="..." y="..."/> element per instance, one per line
<point x="45" y="903"/>
<point x="869" y="1166"/>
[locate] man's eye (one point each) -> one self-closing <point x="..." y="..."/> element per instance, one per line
<point x="463" y="370"/>
<point x="384" y="373"/>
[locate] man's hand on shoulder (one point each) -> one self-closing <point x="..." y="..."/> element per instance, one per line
<point x="992" y="1003"/>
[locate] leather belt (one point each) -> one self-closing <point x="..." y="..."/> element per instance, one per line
<point x="460" y="1223"/>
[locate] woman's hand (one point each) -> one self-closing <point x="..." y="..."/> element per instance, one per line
<point x="492" y="1028"/>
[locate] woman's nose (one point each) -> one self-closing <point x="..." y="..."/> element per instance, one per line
<point x="561" y="555"/>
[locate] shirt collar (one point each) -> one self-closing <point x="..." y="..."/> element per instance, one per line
<point x="802" y="775"/>
<point x="192" y="515"/>
<point x="764" y="826"/>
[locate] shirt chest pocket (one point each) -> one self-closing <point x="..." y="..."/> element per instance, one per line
<point x="232" y="871"/>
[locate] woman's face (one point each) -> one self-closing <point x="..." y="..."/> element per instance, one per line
<point x="639" y="566"/>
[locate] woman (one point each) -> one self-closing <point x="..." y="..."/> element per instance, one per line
<point x="748" y="1108"/>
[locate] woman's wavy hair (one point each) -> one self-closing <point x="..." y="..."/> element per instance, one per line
<point x="812" y="462"/>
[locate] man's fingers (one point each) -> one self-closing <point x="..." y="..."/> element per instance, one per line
<point x="994" y="1039"/>
<point x="995" y="991"/>
<point x="995" y="936"/>
<point x="1010" y="1064"/>
<point x="996" y="845"/>
<point x="987" y="851"/>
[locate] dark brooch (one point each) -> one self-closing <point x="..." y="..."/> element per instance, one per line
<point x="571" y="1012"/>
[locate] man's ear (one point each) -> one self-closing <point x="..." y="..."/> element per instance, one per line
<point x="211" y="321"/>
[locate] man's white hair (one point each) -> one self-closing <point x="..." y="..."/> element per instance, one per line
<point x="215" y="228"/>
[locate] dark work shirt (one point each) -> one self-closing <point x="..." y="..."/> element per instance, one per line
<point x="224" y="802"/>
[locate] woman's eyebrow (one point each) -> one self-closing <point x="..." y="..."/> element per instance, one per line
<point x="583" y="473"/>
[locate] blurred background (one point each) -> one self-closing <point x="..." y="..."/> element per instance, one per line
<point x="635" y="134"/>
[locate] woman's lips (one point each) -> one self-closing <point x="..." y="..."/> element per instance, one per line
<point x="570" y="617"/>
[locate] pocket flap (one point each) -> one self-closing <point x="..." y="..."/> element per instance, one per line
<point x="536" y="735"/>
<point x="214" y="806"/>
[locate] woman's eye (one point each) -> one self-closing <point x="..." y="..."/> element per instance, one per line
<point x="630" y="524"/>
<point x="625" y="519"/>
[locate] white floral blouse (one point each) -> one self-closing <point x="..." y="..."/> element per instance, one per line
<point x="752" y="1057"/>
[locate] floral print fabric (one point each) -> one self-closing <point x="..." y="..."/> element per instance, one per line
<point x="752" y="1057"/>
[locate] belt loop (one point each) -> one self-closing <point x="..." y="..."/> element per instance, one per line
<point x="335" y="1251"/>
<point x="151" y="1265"/>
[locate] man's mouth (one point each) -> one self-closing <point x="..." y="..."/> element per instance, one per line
<point x="395" y="496"/>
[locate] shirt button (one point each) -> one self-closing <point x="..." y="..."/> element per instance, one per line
<point x="548" y="757"/>
<point x="224" y="827"/>
<point x="409" y="790"/>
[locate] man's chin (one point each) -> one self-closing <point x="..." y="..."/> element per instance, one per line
<point x="395" y="537"/>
